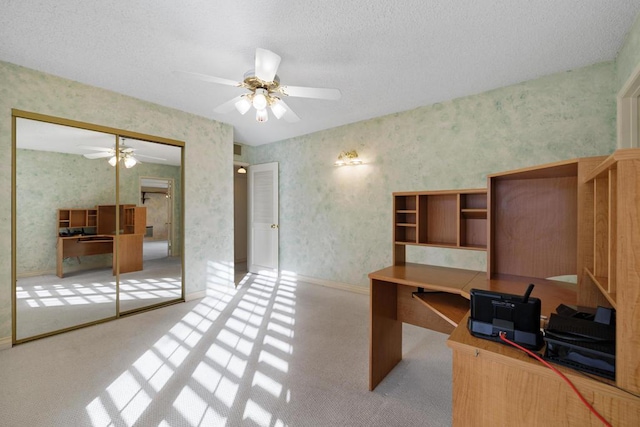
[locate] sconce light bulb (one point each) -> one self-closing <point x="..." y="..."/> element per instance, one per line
<point x="348" y="158"/>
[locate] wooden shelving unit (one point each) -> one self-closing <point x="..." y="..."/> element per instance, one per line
<point x="406" y="219"/>
<point x="70" y="219"/>
<point x="578" y="217"/>
<point x="611" y="275"/>
<point x="450" y="219"/>
<point x="135" y="219"/>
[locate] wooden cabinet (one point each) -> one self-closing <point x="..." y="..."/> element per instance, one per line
<point x="450" y="219"/>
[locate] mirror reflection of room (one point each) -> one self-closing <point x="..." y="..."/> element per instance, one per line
<point x="66" y="223"/>
<point x="154" y="186"/>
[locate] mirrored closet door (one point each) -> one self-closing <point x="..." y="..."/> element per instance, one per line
<point x="89" y="243"/>
<point x="151" y="197"/>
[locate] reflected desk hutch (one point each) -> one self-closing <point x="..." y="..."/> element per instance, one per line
<point x="97" y="235"/>
<point x="577" y="216"/>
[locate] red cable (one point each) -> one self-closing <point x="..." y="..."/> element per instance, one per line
<point x="567" y="380"/>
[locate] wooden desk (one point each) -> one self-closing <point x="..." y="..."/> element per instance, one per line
<point x="496" y="385"/>
<point x="493" y="384"/>
<point x="77" y="246"/>
<point x="392" y="303"/>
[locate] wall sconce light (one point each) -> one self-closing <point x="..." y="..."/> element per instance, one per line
<point x="348" y="158"/>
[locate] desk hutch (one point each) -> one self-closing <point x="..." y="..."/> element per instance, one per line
<point x="578" y="217"/>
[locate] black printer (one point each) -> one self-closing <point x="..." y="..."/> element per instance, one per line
<point x="583" y="340"/>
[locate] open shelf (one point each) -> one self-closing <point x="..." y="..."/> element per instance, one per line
<point x="448" y="219"/>
<point x="76" y="219"/>
<point x="405" y="233"/>
<point x="474" y="213"/>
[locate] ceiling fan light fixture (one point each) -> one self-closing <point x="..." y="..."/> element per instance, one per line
<point x="113" y="160"/>
<point x="260" y="99"/>
<point x="277" y="109"/>
<point x="243" y="105"/>
<point x="129" y="162"/>
<point x="265" y="90"/>
<point x="262" y="115"/>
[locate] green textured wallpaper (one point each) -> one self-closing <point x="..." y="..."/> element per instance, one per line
<point x="335" y="223"/>
<point x="629" y="56"/>
<point x="208" y="179"/>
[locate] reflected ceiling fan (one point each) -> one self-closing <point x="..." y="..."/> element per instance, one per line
<point x="127" y="156"/>
<point x="265" y="90"/>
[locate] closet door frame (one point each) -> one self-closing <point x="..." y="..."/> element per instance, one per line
<point x="118" y="133"/>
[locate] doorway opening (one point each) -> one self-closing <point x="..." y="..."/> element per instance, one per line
<point x="240" y="221"/>
<point x="156" y="194"/>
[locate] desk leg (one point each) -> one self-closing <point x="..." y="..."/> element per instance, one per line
<point x="385" y="333"/>
<point x="59" y="257"/>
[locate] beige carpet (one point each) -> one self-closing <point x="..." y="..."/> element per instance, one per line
<point x="48" y="303"/>
<point x="270" y="353"/>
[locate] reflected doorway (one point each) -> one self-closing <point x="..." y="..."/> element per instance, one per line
<point x="240" y="237"/>
<point x="156" y="194"/>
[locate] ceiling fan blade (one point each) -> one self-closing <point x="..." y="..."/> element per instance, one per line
<point x="88" y="147"/>
<point x="228" y="106"/>
<point x="98" y="155"/>
<point x="267" y="64"/>
<point x="310" y="92"/>
<point x="289" y="116"/>
<point x="207" y="78"/>
<point x="148" y="157"/>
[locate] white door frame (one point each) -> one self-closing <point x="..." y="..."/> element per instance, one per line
<point x="628" y="121"/>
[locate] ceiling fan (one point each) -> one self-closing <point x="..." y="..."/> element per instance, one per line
<point x="265" y="90"/>
<point x="129" y="159"/>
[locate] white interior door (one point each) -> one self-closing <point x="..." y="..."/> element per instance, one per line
<point x="263" y="218"/>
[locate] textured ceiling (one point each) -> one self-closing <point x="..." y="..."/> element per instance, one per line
<point x="385" y="56"/>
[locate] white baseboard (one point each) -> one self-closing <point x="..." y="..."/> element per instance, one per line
<point x="364" y="290"/>
<point x="195" y="295"/>
<point x="5" y="343"/>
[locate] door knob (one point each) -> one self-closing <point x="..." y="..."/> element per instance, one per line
<point x="274" y="225"/>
